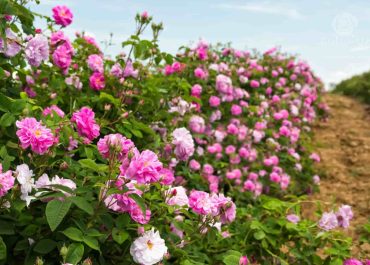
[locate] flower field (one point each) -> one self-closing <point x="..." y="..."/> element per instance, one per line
<point x="203" y="157"/>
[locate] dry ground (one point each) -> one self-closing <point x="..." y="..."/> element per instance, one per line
<point x="343" y="143"/>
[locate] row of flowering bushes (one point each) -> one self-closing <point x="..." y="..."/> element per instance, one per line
<point x="196" y="158"/>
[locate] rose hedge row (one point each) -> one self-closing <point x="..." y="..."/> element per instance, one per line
<point x="189" y="159"/>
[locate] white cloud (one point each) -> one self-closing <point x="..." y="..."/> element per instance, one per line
<point x="68" y="3"/>
<point x="266" y="8"/>
<point x="345" y="73"/>
<point x="360" y="48"/>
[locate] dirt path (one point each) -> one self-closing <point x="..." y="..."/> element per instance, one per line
<point x="344" y="146"/>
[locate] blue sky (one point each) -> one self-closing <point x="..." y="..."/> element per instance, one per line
<point x="332" y="35"/>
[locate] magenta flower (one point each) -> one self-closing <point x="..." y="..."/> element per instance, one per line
<point x="124" y="203"/>
<point x="236" y="110"/>
<point x="86" y="125"/>
<point x="62" y="56"/>
<point x="224" y="85"/>
<point x="249" y="185"/>
<point x="97" y="81"/>
<point x="72" y="144"/>
<point x="177" y="196"/>
<point x="328" y="221"/>
<point x="293" y="218"/>
<point x="144" y="15"/>
<point x="114" y="144"/>
<point x="315" y="157"/>
<point x="194" y="165"/>
<point x="254" y="84"/>
<point x="196" y="90"/>
<point x="116" y="70"/>
<point x="197" y="124"/>
<point x="224" y="207"/>
<point x="6" y="181"/>
<point x="31" y="133"/>
<point x="243" y="260"/>
<point x="200" y="202"/>
<point x="53" y="109"/>
<point x="62" y="15"/>
<point x="137" y="214"/>
<point x="13" y="46"/>
<point x="344" y="215"/>
<point x="144" y="167"/>
<point x="352" y="262"/>
<point x="207" y="169"/>
<point x="200" y="73"/>
<point x="166" y="176"/>
<point x="37" y="50"/>
<point x="58" y="37"/>
<point x="90" y="40"/>
<point x="129" y="70"/>
<point x="184" y="143"/>
<point x="95" y="63"/>
<point x="316" y="179"/>
<point x="229" y="213"/>
<point x="214" y="101"/>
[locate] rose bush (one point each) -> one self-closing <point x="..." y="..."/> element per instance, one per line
<point x="189" y="159"/>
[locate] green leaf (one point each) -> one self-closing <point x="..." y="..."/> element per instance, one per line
<point x="115" y="101"/>
<point x="75" y="253"/>
<point x="18" y="106"/>
<point x="122" y="221"/>
<point x="21" y="245"/>
<point x="7" y="119"/>
<point x="259" y="235"/>
<point x="91" y="242"/>
<point x="61" y="188"/>
<point x="232" y="257"/>
<point x="191" y="262"/>
<point x="44" y="246"/>
<point x="137" y="133"/>
<point x="74" y="234"/>
<point x="55" y="212"/>
<point x="83" y="204"/>
<point x="139" y="201"/>
<point x="93" y="232"/>
<point x="90" y="164"/>
<point x="231" y="260"/>
<point x="2" y="249"/>
<point x="5" y="103"/>
<point x="337" y="261"/>
<point x="119" y="236"/>
<point x="273" y="204"/>
<point x="6" y="228"/>
<point x="142" y="127"/>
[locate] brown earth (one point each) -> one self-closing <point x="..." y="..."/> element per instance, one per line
<point x="343" y="143"/>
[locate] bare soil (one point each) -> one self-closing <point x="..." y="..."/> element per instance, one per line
<point x="343" y="143"/>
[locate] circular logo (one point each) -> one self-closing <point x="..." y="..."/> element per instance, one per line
<point x="344" y="24"/>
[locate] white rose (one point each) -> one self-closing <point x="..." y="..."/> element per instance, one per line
<point x="148" y="249"/>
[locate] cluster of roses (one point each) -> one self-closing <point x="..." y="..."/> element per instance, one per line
<point x="29" y="188"/>
<point x="37" y="48"/>
<point x="248" y="113"/>
<point x="144" y="168"/>
<point x="32" y="133"/>
<point x="246" y="104"/>
<point x="137" y="171"/>
<point x="341" y="218"/>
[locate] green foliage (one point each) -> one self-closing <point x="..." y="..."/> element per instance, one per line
<point x="357" y="86"/>
<point x="56" y="211"/>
